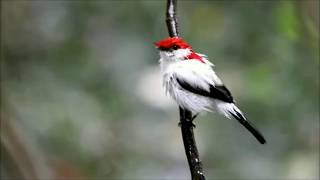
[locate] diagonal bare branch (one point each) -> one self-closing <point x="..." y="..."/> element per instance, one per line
<point x="186" y="117"/>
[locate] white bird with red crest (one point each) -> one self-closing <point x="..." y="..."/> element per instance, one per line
<point x="190" y="80"/>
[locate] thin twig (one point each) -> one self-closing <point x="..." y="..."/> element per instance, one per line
<point x="171" y="19"/>
<point x="187" y="126"/>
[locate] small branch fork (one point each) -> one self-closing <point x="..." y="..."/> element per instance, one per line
<point x="186" y="117"/>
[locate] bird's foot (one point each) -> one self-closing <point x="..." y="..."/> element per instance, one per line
<point x="187" y="123"/>
<point x="193" y="117"/>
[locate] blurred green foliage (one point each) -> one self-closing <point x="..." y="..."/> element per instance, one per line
<point x="81" y="89"/>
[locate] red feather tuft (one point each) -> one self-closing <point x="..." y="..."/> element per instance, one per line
<point x="168" y="43"/>
<point x="171" y="41"/>
<point x="194" y="56"/>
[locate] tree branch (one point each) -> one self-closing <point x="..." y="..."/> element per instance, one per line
<point x="171" y="19"/>
<point x="187" y="126"/>
<point x="190" y="145"/>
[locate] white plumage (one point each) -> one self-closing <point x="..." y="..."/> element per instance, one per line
<point x="197" y="74"/>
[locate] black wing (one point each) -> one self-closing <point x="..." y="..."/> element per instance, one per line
<point x="217" y="92"/>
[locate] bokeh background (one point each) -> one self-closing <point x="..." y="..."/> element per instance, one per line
<point x="81" y="93"/>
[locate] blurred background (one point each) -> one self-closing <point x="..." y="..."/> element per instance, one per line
<point x="81" y="93"/>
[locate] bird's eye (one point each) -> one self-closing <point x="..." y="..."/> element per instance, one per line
<point x="175" y="47"/>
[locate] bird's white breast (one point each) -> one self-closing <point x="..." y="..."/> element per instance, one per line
<point x="194" y="72"/>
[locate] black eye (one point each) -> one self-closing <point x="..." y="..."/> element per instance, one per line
<point x="175" y="47"/>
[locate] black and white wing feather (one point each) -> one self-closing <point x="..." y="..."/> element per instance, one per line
<point x="201" y="80"/>
<point x="219" y="92"/>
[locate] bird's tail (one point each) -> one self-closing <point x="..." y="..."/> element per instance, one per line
<point x="231" y="109"/>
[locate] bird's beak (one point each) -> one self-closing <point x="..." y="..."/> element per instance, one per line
<point x="157" y="44"/>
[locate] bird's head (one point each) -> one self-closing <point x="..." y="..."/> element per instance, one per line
<point x="175" y="49"/>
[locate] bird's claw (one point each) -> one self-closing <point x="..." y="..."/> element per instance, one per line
<point x="188" y="123"/>
<point x="193" y="117"/>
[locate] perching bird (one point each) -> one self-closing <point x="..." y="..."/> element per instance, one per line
<point x="190" y="80"/>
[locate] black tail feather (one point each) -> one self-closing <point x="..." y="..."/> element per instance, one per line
<point x="250" y="127"/>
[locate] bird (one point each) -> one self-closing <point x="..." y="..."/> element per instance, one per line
<point x="189" y="78"/>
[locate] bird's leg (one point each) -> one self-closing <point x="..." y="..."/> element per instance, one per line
<point x="189" y="123"/>
<point x="186" y="118"/>
<point x="194" y="116"/>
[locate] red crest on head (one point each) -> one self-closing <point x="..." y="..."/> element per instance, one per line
<point x="171" y="42"/>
